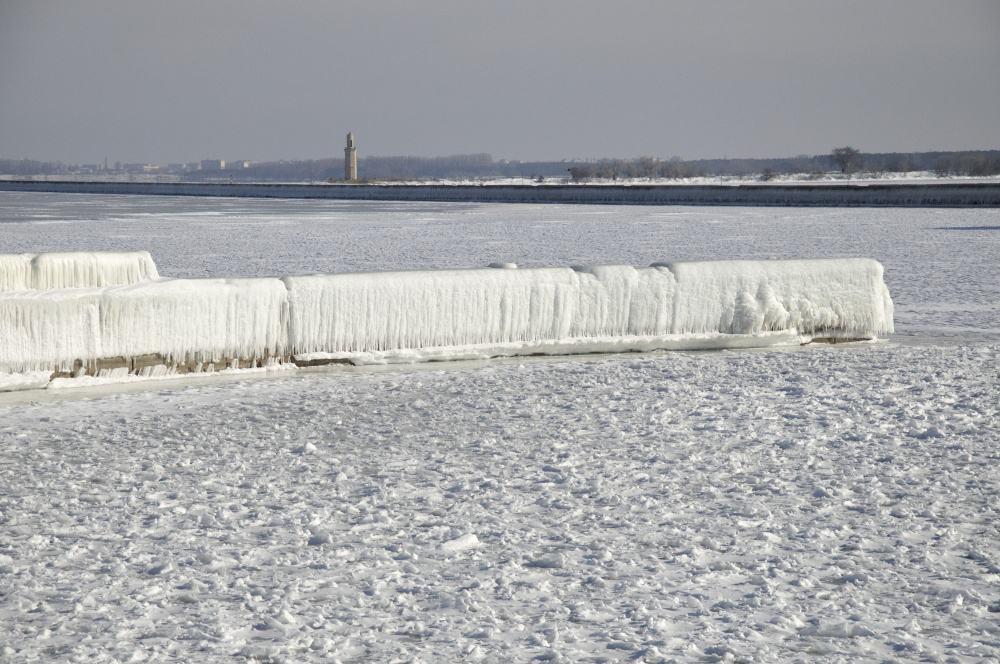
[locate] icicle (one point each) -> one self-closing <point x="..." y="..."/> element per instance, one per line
<point x="841" y="295"/>
<point x="210" y="321"/>
<point x="15" y="272"/>
<point x="85" y="269"/>
<point x="184" y="320"/>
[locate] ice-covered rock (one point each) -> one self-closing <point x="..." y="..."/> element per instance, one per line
<point x="417" y="309"/>
<point x="15" y="272"/>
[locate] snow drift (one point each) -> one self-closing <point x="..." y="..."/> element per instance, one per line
<point x="49" y="271"/>
<point x="406" y="316"/>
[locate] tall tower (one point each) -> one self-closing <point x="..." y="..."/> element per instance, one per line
<point x="350" y="159"/>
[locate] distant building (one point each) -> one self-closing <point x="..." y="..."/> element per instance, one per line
<point x="213" y="164"/>
<point x="350" y="159"/>
<point x="238" y="164"/>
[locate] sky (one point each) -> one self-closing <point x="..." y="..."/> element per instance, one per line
<point x="178" y="81"/>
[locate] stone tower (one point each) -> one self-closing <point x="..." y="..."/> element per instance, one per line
<point x="350" y="159"/>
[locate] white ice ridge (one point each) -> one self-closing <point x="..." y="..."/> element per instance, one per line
<point x="387" y="311"/>
<point x="845" y="296"/>
<point x="407" y="310"/>
<point x="15" y="272"/>
<point x="183" y="320"/>
<point x="48" y="271"/>
<point x="419" y="315"/>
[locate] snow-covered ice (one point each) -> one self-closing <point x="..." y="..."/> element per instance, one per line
<point x="772" y="505"/>
<point x="818" y="504"/>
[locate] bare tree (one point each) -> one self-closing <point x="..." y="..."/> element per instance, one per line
<point x="877" y="169"/>
<point x="846" y="159"/>
<point x="648" y="166"/>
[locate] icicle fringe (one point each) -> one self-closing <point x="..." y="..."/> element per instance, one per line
<point x="49" y="271"/>
<point x="88" y="313"/>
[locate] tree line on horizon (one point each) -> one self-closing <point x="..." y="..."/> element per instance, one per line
<point x="847" y="160"/>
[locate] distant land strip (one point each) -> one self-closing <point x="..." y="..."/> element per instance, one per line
<point x="965" y="194"/>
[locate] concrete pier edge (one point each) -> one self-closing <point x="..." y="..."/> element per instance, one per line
<point x="949" y="194"/>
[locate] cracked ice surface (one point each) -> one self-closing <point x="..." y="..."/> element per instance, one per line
<point x="828" y="504"/>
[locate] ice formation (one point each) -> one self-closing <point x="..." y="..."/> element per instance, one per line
<point x="15" y="272"/>
<point x="420" y="315"/>
<point x="830" y="297"/>
<point x="48" y="271"/>
<point x="407" y="310"/>
<point x="511" y="310"/>
<point x="182" y="320"/>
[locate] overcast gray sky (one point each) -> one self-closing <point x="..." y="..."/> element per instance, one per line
<point x="176" y="81"/>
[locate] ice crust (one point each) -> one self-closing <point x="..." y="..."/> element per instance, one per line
<point x="48" y="271"/>
<point x="407" y="316"/>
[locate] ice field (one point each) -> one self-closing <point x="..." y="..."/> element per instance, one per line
<point x="817" y="505"/>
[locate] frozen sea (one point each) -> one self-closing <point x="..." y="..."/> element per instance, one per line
<point x="817" y="505"/>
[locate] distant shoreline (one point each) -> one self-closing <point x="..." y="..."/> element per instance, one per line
<point x="952" y="194"/>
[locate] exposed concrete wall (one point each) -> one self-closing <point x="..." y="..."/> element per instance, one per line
<point x="916" y="195"/>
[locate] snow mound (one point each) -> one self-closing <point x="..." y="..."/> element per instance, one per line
<point x="49" y="271"/>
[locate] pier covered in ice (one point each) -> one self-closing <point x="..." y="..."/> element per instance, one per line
<point x="98" y="314"/>
<point x="48" y="271"/>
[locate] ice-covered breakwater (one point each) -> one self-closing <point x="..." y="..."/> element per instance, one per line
<point x="47" y="271"/>
<point x="146" y="325"/>
<point x="949" y="194"/>
<point x="403" y="316"/>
